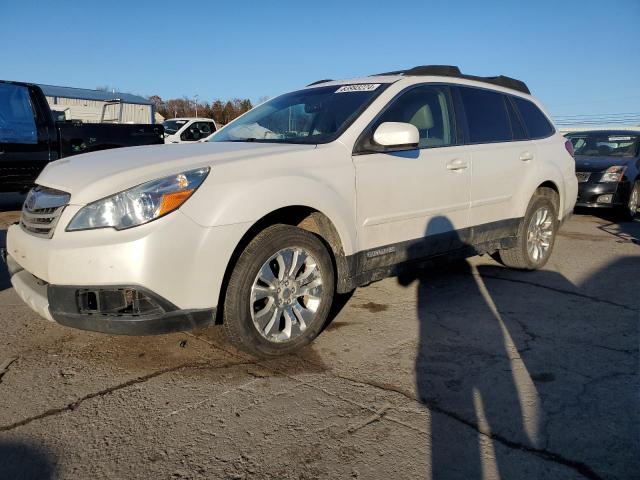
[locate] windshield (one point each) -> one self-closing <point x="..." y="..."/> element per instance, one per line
<point x="171" y="127"/>
<point x="314" y="115"/>
<point x="605" y="145"/>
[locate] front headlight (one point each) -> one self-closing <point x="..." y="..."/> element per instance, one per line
<point x="613" y="174"/>
<point x="140" y="204"/>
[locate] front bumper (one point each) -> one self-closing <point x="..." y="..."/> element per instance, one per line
<point x="62" y="305"/>
<point x="174" y="257"/>
<point x="177" y="262"/>
<point x="590" y="193"/>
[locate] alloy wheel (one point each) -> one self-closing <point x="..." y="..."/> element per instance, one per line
<point x="540" y="234"/>
<point x="285" y="294"/>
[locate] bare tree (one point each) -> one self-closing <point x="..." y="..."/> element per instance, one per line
<point x="221" y="111"/>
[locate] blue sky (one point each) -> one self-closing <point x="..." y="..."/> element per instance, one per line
<point x="578" y="57"/>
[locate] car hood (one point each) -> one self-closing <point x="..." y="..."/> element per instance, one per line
<point x="96" y="175"/>
<point x="586" y="163"/>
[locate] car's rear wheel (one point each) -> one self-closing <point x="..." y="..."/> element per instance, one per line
<point x="536" y="233"/>
<point x="279" y="293"/>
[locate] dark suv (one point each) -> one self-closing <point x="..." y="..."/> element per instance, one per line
<point x="607" y="167"/>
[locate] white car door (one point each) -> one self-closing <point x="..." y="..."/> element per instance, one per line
<point x="501" y="157"/>
<point x="403" y="197"/>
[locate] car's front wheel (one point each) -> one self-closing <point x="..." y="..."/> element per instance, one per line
<point x="279" y="293"/>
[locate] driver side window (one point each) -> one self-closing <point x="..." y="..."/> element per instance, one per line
<point x="429" y="109"/>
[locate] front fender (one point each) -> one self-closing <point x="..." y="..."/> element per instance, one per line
<point x="247" y="201"/>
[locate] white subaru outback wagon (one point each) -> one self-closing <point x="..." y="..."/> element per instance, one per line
<point x="312" y="193"/>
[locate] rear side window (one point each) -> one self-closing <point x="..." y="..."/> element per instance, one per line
<point x="536" y="122"/>
<point x="487" y="116"/>
<point x="516" y="124"/>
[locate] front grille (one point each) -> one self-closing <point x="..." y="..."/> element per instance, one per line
<point x="41" y="211"/>
<point x="583" y="176"/>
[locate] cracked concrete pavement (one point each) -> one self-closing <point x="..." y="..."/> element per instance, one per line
<point x="463" y="371"/>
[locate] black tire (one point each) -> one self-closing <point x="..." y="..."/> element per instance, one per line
<point x="631" y="209"/>
<point x="237" y="316"/>
<point x="518" y="257"/>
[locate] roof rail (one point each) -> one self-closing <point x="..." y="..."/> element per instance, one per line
<point x="453" y="71"/>
<point x="321" y="81"/>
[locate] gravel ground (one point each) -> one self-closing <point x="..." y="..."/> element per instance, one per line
<point x="464" y="371"/>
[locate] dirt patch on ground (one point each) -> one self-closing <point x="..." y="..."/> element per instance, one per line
<point x="373" y="307"/>
<point x="583" y="236"/>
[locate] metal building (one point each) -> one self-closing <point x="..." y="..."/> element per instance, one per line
<point x="97" y="106"/>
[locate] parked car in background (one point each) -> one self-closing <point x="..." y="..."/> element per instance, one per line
<point x="185" y="130"/>
<point x="608" y="169"/>
<point x="314" y="192"/>
<point x="31" y="137"/>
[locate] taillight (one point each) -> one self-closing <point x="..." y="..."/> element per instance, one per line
<point x="569" y="146"/>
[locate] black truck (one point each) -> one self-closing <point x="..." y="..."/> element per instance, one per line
<point x="30" y="136"/>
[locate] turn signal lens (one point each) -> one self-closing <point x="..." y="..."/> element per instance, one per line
<point x="171" y="201"/>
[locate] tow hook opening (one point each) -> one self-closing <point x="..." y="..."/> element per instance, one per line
<point x="116" y="301"/>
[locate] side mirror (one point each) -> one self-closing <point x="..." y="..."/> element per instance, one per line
<point x="396" y="136"/>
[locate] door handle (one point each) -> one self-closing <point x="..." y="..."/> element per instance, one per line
<point x="457" y="164"/>
<point x="526" y="156"/>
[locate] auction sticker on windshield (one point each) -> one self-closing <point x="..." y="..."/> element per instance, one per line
<point x="360" y="87"/>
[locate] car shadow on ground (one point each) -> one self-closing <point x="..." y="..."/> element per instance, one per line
<point x="526" y="371"/>
<point x="626" y="232"/>
<point x="25" y="461"/>
<point x="307" y="360"/>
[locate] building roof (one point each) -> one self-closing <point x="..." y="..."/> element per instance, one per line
<point x="87" y="94"/>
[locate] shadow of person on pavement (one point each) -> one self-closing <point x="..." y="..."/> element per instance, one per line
<point x="581" y="344"/>
<point x="504" y="352"/>
<point x="467" y="367"/>
<point x="23" y="461"/>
